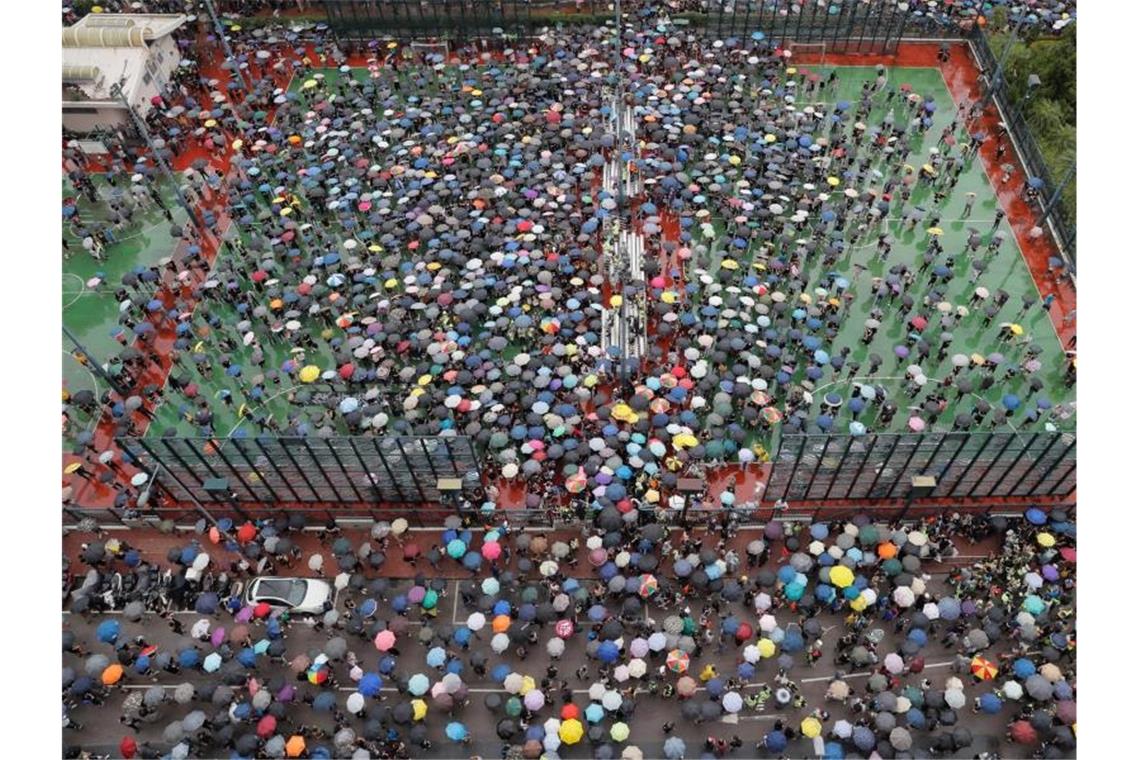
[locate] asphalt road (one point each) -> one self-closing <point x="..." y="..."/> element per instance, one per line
<point x="102" y="730"/>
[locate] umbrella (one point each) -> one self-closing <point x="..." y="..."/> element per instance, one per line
<point x="675" y="748"/>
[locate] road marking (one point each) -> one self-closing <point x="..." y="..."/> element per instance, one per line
<point x="148" y="613"/>
<point x="741" y="718"/>
<point x="868" y="673"/>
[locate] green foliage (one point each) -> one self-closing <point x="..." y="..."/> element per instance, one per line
<point x="1051" y="109"/>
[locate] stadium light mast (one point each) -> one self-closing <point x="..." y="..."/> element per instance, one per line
<point x="221" y="32"/>
<point x="118" y="94"/>
<point x="93" y="364"/>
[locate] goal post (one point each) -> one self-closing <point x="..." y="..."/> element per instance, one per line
<point x="807" y="53"/>
<point x="416" y="49"/>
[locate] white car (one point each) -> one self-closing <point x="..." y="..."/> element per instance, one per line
<point x="303" y="595"/>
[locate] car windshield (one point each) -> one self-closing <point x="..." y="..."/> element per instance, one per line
<point x="291" y="591"/>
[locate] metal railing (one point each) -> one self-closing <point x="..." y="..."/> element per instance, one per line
<point x="966" y="466"/>
<point x="326" y="471"/>
<point x="1056" y="213"/>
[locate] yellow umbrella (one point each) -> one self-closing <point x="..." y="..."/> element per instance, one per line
<point x="729" y="264"/>
<point x="1046" y="539"/>
<point x="841" y="576"/>
<point x="619" y="731"/>
<point x="309" y="84"/>
<point x="669" y="296"/>
<point x="978" y="359"/>
<point x="684" y="441"/>
<point x="928" y="168"/>
<point x="615" y="300"/>
<point x="934" y="230"/>
<point x="528" y="685"/>
<point x="210" y="123"/>
<point x="791" y="70"/>
<point x="767" y="647"/>
<point x="72" y="468"/>
<point x="810" y="727"/>
<point x="833" y="181"/>
<point x="622" y="411"/>
<point x="419" y="709"/>
<point x="424" y="379"/>
<point x="1016" y="329"/>
<point x="571" y="731"/>
<point x="769" y="138"/>
<point x="859" y="604"/>
<point x="310" y="373"/>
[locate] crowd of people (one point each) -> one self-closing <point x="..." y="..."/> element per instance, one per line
<point x="566" y="640"/>
<point x="418" y="253"/>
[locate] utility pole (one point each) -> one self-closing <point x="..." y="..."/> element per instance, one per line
<point x="140" y="125"/>
<point x="221" y="32"/>
<point x="94" y="365"/>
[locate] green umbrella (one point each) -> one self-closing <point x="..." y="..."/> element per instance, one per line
<point x="513" y="707"/>
<point x="431" y="599"/>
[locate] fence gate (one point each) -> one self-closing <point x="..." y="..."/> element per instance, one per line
<point x="816" y="467"/>
<point x="338" y="470"/>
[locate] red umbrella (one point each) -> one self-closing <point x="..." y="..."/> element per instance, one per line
<point x="268" y="725"/>
<point x="346" y="371"/>
<point x="564" y="629"/>
<point x="261" y="610"/>
<point x="1022" y="732"/>
<point x="744" y="632"/>
<point x="917" y="664"/>
<point x="128" y="747"/>
<point x="246" y="533"/>
<point x="1069" y="554"/>
<point x="570" y="711"/>
<point x="411" y="551"/>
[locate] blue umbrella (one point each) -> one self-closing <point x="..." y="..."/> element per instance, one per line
<point x="1023" y="668"/>
<point x="833" y="751"/>
<point x="608" y="652"/>
<point x="325" y="702"/>
<point x="370" y="684"/>
<point x="1035" y="516"/>
<point x="456" y="731"/>
<point x="918" y="636"/>
<point x="108" y="631"/>
<point x="188" y="658"/>
<point x="775" y="741"/>
<point x="746" y="671"/>
<point x="1010" y="401"/>
<point x="436" y="657"/>
<point x="247" y="657"/>
<point x="990" y="703"/>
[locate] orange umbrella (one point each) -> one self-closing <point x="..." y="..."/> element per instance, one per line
<point x="887" y="550"/>
<point x="500" y="623"/>
<point x="295" y="746"/>
<point x="112" y="674"/>
<point x="983" y="669"/>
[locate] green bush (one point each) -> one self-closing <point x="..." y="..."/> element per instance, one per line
<point x="1051" y="110"/>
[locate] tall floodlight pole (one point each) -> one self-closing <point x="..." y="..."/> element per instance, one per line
<point x="93" y="364"/>
<point x="221" y="31"/>
<point x="140" y="125"/>
<point x="997" y="82"/>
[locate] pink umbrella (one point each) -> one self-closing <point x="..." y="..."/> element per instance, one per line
<point x="564" y="629"/>
<point x="598" y="557"/>
<point x="245" y="614"/>
<point x="916" y="424"/>
<point x="492" y="550"/>
<point x="385" y="640"/>
<point x="657" y="282"/>
<point x="218" y="636"/>
<point x="416" y="594"/>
